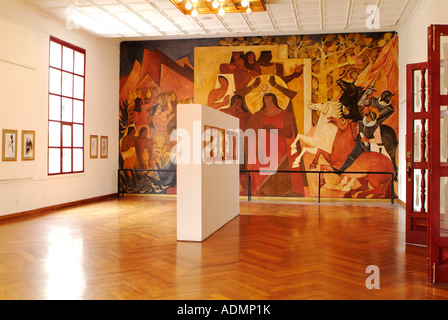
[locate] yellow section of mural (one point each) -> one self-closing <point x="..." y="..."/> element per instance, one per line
<point x="213" y="63"/>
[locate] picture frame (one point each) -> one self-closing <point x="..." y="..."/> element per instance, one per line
<point x="235" y="145"/>
<point x="221" y="143"/>
<point x="28" y="145"/>
<point x="9" y="145"/>
<point x="104" y="146"/>
<point x="214" y="143"/>
<point x="93" y="146"/>
<point x="208" y="139"/>
<point x="230" y="145"/>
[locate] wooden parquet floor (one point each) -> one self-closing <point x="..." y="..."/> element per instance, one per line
<point x="126" y="249"/>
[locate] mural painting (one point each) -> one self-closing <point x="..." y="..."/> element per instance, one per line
<point x="333" y="100"/>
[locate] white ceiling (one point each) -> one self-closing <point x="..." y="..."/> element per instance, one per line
<point x="160" y="19"/>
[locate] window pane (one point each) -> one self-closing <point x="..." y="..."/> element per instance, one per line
<point x="67" y="59"/>
<point x="79" y="63"/>
<point x="443" y="207"/>
<point x="54" y="109"/>
<point x="66" y="136"/>
<point x="67" y="84"/>
<point x="55" y="55"/>
<point x="78" y="111"/>
<point x="54" y="160"/>
<point x="55" y="81"/>
<point x="66" y="160"/>
<point x="78" y="163"/>
<point x="67" y="109"/>
<point x="79" y="87"/>
<point x="54" y="134"/>
<point x="78" y="135"/>
<point x="444" y="65"/>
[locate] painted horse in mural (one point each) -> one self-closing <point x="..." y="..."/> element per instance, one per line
<point x="350" y="110"/>
<point x="367" y="161"/>
<point x="351" y="94"/>
<point x="321" y="136"/>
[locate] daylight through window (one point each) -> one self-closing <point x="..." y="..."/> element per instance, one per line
<point x="66" y="108"/>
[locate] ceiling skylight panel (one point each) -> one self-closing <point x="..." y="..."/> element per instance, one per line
<point x="113" y="24"/>
<point x="140" y="6"/>
<point x="48" y="4"/>
<point x="115" y="8"/>
<point x="136" y="22"/>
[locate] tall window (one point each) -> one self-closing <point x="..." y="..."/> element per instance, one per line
<point x="66" y="108"/>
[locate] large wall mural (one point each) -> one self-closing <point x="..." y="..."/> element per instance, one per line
<point x="332" y="98"/>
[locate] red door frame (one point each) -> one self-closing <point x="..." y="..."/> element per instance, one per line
<point x="437" y="245"/>
<point x="416" y="221"/>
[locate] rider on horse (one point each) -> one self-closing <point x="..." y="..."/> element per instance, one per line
<point x="375" y="111"/>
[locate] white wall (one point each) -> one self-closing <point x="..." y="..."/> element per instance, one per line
<point x="413" y="48"/>
<point x="24" y="55"/>
<point x="207" y="193"/>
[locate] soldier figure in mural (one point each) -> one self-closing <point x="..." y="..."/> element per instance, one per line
<point x="375" y="111"/>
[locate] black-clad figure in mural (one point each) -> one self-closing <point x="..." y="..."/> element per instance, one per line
<point x="376" y="111"/>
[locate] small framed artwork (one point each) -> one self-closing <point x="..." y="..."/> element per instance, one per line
<point x="28" y="145"/>
<point x="235" y="145"/>
<point x="104" y="146"/>
<point x="93" y="147"/>
<point x="208" y="139"/>
<point x="222" y="143"/>
<point x="230" y="147"/>
<point x="9" y="143"/>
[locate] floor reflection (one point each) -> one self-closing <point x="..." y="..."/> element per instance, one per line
<point x="66" y="279"/>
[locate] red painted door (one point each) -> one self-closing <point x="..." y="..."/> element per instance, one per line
<point x="438" y="150"/>
<point x="417" y="117"/>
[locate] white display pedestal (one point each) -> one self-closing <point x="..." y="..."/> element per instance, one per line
<point x="207" y="192"/>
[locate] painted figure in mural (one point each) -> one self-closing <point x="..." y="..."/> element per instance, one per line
<point x="268" y="67"/>
<point x="140" y="111"/>
<point x="382" y="105"/>
<point x="269" y="85"/>
<point x="272" y="116"/>
<point x="217" y="98"/>
<point x="161" y="118"/>
<point x="369" y="133"/>
<point x="238" y="109"/>
<point x="127" y="148"/>
<point x="144" y="146"/>
<point x="242" y="74"/>
<point x="251" y="62"/>
<point x="228" y="67"/>
<point x="357" y="101"/>
<point x="376" y="111"/>
<point x="263" y="118"/>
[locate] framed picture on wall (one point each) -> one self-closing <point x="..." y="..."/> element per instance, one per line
<point x="230" y="145"/>
<point x="93" y="146"/>
<point x="208" y="139"/>
<point x="28" y="145"/>
<point x="9" y="145"/>
<point x="222" y="143"/>
<point x="104" y="146"/>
